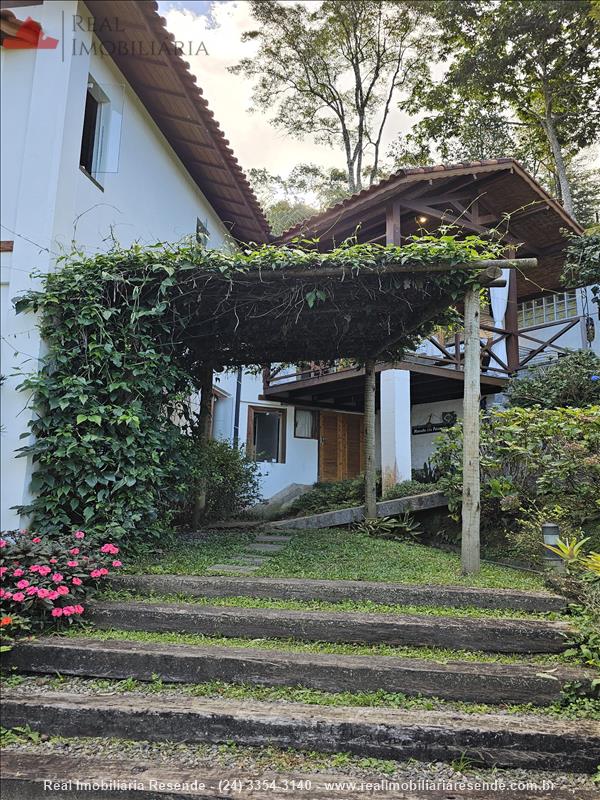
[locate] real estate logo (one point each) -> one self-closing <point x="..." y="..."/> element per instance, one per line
<point x="30" y="36"/>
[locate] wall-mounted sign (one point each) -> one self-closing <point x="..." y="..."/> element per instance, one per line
<point x="447" y="420"/>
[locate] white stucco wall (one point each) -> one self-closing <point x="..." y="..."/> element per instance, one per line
<point x="47" y="200"/>
<point x="423" y="444"/>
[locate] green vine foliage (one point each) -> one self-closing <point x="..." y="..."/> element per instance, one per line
<point x="118" y="370"/>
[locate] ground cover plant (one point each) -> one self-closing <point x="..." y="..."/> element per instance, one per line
<point x="348" y="493"/>
<point x="44" y="582"/>
<point x="336" y="554"/>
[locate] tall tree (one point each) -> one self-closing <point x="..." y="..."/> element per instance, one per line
<point x="334" y="70"/>
<point x="537" y="58"/>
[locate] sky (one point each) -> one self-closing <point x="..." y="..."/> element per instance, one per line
<point x="216" y="27"/>
<point x="255" y="141"/>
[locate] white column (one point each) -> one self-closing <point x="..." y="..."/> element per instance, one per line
<point x="396" y="461"/>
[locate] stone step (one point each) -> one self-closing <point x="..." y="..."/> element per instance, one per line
<point x="24" y="773"/>
<point x="460" y="633"/>
<point x="457" y="680"/>
<point x="260" y="547"/>
<point x="234" y="569"/>
<point x="338" y="591"/>
<point x="251" y="560"/>
<point x="494" y="739"/>
<point x="271" y="538"/>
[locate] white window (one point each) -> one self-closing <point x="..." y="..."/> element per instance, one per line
<point x="305" y="424"/>
<point x="95" y="123"/>
<point x="550" y="308"/>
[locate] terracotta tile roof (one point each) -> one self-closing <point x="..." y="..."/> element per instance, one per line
<point x="162" y="80"/>
<point x="403" y="177"/>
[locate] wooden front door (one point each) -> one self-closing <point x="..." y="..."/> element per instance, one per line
<point x="341" y="449"/>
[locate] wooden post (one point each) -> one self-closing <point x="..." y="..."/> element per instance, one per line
<point x="204" y="426"/>
<point x="369" y="420"/>
<point x="511" y="323"/>
<point x="393" y="234"/>
<point x="470" y="547"/>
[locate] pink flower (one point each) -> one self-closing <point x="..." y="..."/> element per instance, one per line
<point x="43" y="571"/>
<point x="95" y="573"/>
<point x="63" y="589"/>
<point x="78" y="609"/>
<point x="42" y="593"/>
<point x="34" y="568"/>
<point x="52" y="595"/>
<point x="76" y="581"/>
<point x="54" y="560"/>
<point x="117" y="563"/>
<point x="72" y="563"/>
<point x="57" y="577"/>
<point x="68" y="610"/>
<point x="18" y="572"/>
<point x="32" y="590"/>
<point x="57" y="612"/>
<point x="3" y="570"/>
<point x="18" y="596"/>
<point x="79" y="535"/>
<point x="109" y="548"/>
<point x="36" y="540"/>
<point x="74" y="551"/>
<point x="22" y="584"/>
<point x="7" y="595"/>
<point x="2" y="543"/>
<point x="2" y="592"/>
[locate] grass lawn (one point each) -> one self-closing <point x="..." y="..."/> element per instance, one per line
<point x="337" y="554"/>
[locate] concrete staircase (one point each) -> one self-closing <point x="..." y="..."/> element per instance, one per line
<point x="499" y="739"/>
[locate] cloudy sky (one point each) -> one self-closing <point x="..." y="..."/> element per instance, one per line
<point x="255" y="141"/>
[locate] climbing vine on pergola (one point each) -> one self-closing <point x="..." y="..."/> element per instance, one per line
<point x="129" y="332"/>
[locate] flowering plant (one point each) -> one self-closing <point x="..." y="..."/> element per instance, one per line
<point x="43" y="580"/>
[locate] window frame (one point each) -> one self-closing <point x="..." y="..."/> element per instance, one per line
<point x="281" y="450"/>
<point x="538" y="310"/>
<point x="100" y="131"/>
<point x="314" y="434"/>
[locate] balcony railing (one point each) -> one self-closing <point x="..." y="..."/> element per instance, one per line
<point x="450" y="354"/>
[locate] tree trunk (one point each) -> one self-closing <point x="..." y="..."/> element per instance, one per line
<point x="204" y="426"/>
<point x="369" y="419"/>
<point x="471" y="489"/>
<point x="561" y="170"/>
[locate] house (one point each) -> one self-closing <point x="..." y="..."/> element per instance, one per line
<point x="307" y="421"/>
<point x="105" y="137"/>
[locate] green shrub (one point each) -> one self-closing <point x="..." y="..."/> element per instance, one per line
<point x="573" y="380"/>
<point x="534" y="463"/>
<point x="330" y="497"/>
<point x="232" y="479"/>
<point x="408" y="488"/>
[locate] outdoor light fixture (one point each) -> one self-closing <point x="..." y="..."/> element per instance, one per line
<point x="421" y="220"/>
<point x="551" y="535"/>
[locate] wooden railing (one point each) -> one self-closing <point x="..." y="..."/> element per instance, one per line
<point x="450" y="354"/>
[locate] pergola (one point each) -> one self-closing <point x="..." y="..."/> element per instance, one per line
<point x="259" y="316"/>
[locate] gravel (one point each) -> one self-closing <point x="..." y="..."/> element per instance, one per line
<point x="256" y="761"/>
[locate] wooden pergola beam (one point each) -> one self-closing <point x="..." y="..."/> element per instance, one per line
<point x="390" y="269"/>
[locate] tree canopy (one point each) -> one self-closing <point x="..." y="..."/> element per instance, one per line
<point x="334" y="70"/>
<point x="537" y="59"/>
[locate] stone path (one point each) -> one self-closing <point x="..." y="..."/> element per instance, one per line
<point x="253" y="556"/>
